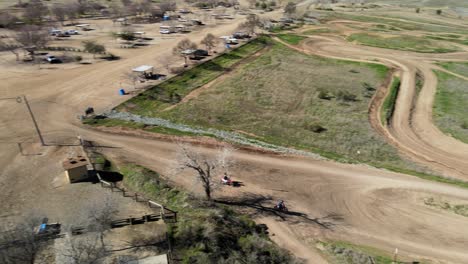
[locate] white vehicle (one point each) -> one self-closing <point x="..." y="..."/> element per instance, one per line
<point x="165" y="31"/>
<point x="52" y="59"/>
<point x="55" y="32"/>
<point x="232" y="41"/>
<point x="72" y="32"/>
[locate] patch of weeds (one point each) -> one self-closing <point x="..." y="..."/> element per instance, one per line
<point x="290" y="38"/>
<point x="409" y="43"/>
<point x="460" y="209"/>
<point x="450" y="107"/>
<point x="170" y="92"/>
<point x="348" y="253"/>
<point x="388" y="105"/>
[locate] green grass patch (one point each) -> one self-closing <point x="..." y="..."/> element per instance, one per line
<point x="173" y="90"/>
<point x="318" y="31"/>
<point x="454" y="40"/>
<point x="277" y="98"/>
<point x="347" y="253"/>
<point x="451" y="107"/>
<point x="407" y="43"/>
<point x="388" y="105"/>
<point x="290" y="38"/>
<point x="455" y="67"/>
<point x="404" y="25"/>
<point x="205" y="232"/>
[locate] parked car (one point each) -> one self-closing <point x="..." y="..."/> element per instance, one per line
<point x="200" y="53"/>
<point x="165" y="31"/>
<point x="52" y="59"/>
<point x="55" y="32"/>
<point x="241" y="35"/>
<point x="232" y="41"/>
<point x="72" y="32"/>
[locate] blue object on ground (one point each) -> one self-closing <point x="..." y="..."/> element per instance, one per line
<point x="122" y="92"/>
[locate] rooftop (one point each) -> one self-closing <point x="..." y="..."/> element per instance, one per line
<point x="75" y="162"/>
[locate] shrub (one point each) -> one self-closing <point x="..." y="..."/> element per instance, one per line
<point x="464" y="125"/>
<point x="325" y="95"/>
<point x="110" y="57"/>
<point x="316" y="128"/>
<point x="368" y="87"/>
<point x="346" y="96"/>
<point x="127" y="35"/>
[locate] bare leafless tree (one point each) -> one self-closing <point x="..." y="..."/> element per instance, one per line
<point x="209" y="170"/>
<point x="72" y="12"/>
<point x="182" y="47"/>
<point x="132" y="77"/>
<point x="83" y="249"/>
<point x="8" y="44"/>
<point x="35" y="12"/>
<point x="210" y="41"/>
<point x="290" y="9"/>
<point x="251" y="24"/>
<point x="168" y="6"/>
<point x="7" y="20"/>
<point x="21" y="244"/>
<point x="30" y="38"/>
<point x="165" y="61"/>
<point x="100" y="216"/>
<point x="59" y="12"/>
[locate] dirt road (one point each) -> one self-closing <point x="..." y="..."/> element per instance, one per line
<point x="330" y="200"/>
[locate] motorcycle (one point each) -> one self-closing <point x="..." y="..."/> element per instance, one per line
<point x="226" y="181"/>
<point x="281" y="208"/>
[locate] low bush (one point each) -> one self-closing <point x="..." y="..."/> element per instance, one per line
<point x="464" y="125"/>
<point x="316" y="128"/>
<point x="346" y="96"/>
<point x="325" y="95"/>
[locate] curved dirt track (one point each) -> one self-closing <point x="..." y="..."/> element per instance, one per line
<point x="332" y="201"/>
<point x="411" y="129"/>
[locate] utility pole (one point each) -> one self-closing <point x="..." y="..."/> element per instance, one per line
<point x="19" y="101"/>
<point x="34" y="121"/>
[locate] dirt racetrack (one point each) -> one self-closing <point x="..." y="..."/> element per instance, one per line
<point x="411" y="129"/>
<point x="329" y="200"/>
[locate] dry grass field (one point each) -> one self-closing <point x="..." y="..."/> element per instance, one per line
<point x="450" y="105"/>
<point x="291" y="99"/>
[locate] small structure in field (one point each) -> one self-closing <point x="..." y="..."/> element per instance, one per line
<point x="76" y="169"/>
<point x="145" y="71"/>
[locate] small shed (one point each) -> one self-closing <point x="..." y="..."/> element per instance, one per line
<point x="145" y="71"/>
<point x="76" y="169"/>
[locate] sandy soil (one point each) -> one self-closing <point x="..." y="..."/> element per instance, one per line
<point x="329" y="200"/>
